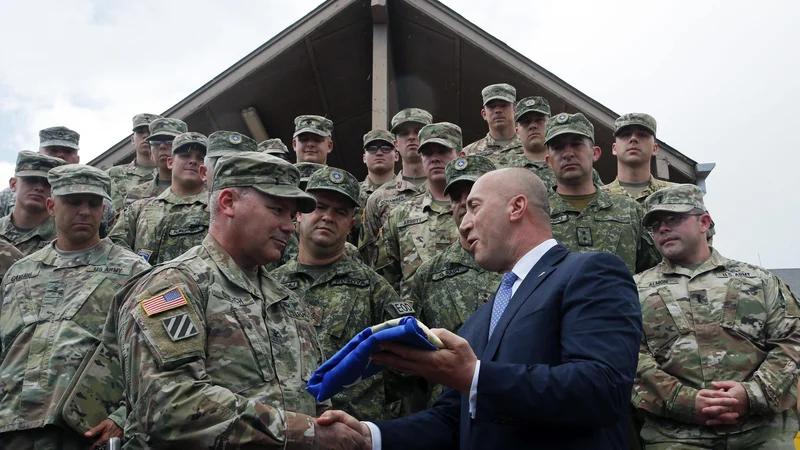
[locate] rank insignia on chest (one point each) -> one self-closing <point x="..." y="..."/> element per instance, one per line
<point x="170" y="299"/>
<point x="584" y="236"/>
<point x="179" y="327"/>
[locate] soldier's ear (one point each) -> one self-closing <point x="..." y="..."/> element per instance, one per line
<point x="655" y="149"/>
<point x="614" y="149"/>
<point x="50" y="204"/>
<point x="203" y="171"/>
<point x="12" y="184"/>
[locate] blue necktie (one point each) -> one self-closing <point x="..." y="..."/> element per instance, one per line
<point x="501" y="299"/>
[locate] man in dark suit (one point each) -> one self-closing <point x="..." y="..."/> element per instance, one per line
<point x="548" y="363"/>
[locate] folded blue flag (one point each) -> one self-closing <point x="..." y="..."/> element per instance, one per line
<point x="352" y="363"/>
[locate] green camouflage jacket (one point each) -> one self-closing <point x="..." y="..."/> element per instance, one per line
<point x="53" y="311"/>
<point x="30" y="241"/>
<point x="212" y="360"/>
<point x="123" y="178"/>
<point x="343" y="301"/>
<point x="376" y="212"/>
<point x="178" y="232"/>
<point x="726" y="320"/>
<point x="655" y="184"/>
<point x="487" y="146"/>
<point x="8" y="256"/>
<point x="416" y="231"/>
<point x="609" y="223"/>
<point x="136" y="228"/>
<point x="142" y="191"/>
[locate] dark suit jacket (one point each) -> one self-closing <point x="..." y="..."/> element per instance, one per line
<point x="557" y="373"/>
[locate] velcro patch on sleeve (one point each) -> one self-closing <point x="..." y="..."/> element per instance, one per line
<point x="179" y="327"/>
<point x="170" y="299"/>
<point x="403" y="308"/>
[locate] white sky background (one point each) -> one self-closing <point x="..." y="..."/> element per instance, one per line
<point x="719" y="76"/>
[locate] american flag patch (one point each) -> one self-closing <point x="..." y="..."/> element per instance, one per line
<point x="179" y="327"/>
<point x="164" y="301"/>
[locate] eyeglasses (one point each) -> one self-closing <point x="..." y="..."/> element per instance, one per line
<point x="670" y="220"/>
<point x="158" y="143"/>
<point x="372" y="149"/>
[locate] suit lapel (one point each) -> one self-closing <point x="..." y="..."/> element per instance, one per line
<point x="540" y="271"/>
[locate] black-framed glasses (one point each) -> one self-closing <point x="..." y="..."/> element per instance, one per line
<point x="373" y="149"/>
<point x="670" y="220"/>
<point x="158" y="143"/>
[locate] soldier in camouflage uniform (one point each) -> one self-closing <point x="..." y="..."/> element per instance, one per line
<point x="634" y="146"/>
<point x="721" y="343"/>
<point x="163" y="132"/>
<point x="498" y="112"/>
<point x="422" y="226"/>
<point x="584" y="217"/>
<point x="344" y="295"/>
<point x="141" y="170"/>
<point x="217" y="353"/>
<point x="380" y="157"/>
<point x="306" y="169"/>
<point x="29" y="227"/>
<point x="62" y="143"/>
<point x="54" y="306"/>
<point x="410" y="181"/>
<point x="274" y="147"/>
<point x="136" y="229"/>
<point x="312" y="140"/>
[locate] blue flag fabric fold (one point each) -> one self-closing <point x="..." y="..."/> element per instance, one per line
<point x="352" y="363"/>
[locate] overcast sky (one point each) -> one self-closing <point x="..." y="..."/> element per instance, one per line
<point x="719" y="76"/>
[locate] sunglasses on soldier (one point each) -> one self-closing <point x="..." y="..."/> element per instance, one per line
<point x="373" y="149"/>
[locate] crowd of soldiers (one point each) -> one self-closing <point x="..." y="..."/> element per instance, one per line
<point x="184" y="299"/>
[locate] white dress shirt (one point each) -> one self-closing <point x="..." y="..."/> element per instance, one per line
<point x="521" y="269"/>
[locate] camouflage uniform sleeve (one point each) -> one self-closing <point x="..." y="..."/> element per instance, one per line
<point x="647" y="256"/>
<point x="124" y="231"/>
<point x="388" y="263"/>
<point x="172" y="397"/>
<point x="660" y="393"/>
<point x="109" y="215"/>
<point x="370" y="225"/>
<point x="769" y="389"/>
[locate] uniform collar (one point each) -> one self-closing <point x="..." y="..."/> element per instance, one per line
<point x="97" y="256"/>
<point x="715" y="261"/>
<point x="228" y="266"/>
<point x="601" y="200"/>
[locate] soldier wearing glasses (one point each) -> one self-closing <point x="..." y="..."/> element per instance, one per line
<point x="718" y="357"/>
<point x="379" y="157"/>
<point x="162" y="132"/>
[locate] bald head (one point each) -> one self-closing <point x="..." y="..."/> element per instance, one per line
<point x="508" y="214"/>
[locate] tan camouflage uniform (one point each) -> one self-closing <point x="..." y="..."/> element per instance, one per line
<point x="8" y="256"/>
<point x="54" y="307"/>
<point x="123" y="178"/>
<point x="654" y="185"/>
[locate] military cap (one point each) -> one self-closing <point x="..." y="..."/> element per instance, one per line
<point x="306" y="169"/>
<point x="335" y="180"/>
<point x="228" y="143"/>
<point x="79" y="179"/>
<point x="190" y="138"/>
<point x="444" y="133"/>
<point x="273" y="147"/>
<point x="267" y="174"/>
<point x="466" y="168"/>
<point x="318" y="125"/>
<point x="165" y="127"/>
<point x="59" y="137"/>
<point x="643" y="120"/>
<point x="680" y="198"/>
<point x="531" y="104"/>
<point x="411" y="115"/>
<point x="502" y="91"/>
<point x="378" y="135"/>
<point x="32" y="164"/>
<point x="566" y="123"/>
<point x="143" y="120"/>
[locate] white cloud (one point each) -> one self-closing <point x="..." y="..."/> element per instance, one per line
<point x="718" y="76"/>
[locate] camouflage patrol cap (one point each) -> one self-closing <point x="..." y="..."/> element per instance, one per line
<point x="306" y="169"/>
<point x="165" y="127"/>
<point x="566" y="123"/>
<point x="531" y="104"/>
<point x="183" y="140"/>
<point x="33" y="164"/>
<point x="59" y="137"/>
<point x="228" y="143"/>
<point x="502" y="91"/>
<point x="144" y="120"/>
<point x="318" y="125"/>
<point x="466" y="168"/>
<point x="273" y="147"/>
<point x="444" y="133"/>
<point x="680" y="198"/>
<point x="267" y="174"/>
<point x="378" y="135"/>
<point x="72" y="179"/>
<point x="335" y="180"/>
<point x="411" y="115"/>
<point x="643" y="120"/>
